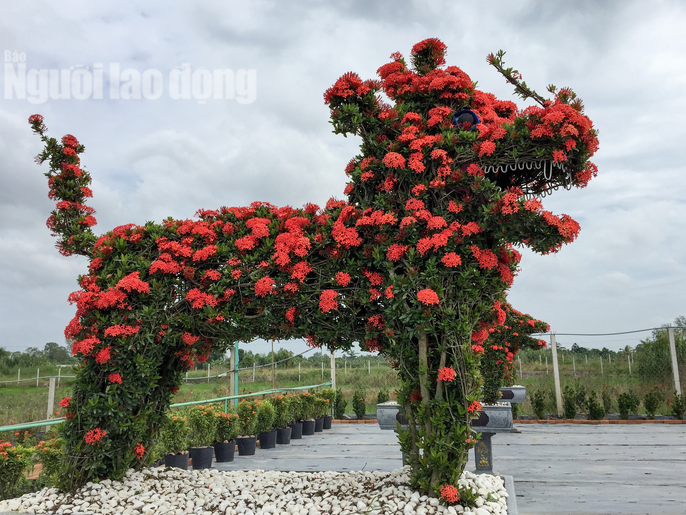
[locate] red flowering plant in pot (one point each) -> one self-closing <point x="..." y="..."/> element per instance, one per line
<point x="500" y="348"/>
<point x="444" y="187"/>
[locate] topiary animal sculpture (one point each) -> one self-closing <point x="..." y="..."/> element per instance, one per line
<point x="414" y="264"/>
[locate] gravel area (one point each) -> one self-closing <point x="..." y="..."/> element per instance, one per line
<point x="206" y="492"/>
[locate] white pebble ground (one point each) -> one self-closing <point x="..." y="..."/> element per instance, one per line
<point x="208" y="492"/>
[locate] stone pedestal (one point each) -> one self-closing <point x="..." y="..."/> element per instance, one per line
<point x="483" y="454"/>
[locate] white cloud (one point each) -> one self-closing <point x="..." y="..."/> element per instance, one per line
<point x="152" y="159"/>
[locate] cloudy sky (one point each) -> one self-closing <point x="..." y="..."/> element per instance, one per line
<point x="268" y="138"/>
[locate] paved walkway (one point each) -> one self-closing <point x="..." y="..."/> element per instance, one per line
<point x="343" y="447"/>
<point x="557" y="469"/>
<point x="587" y="469"/>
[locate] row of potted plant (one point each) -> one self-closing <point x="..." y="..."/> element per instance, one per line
<point x="212" y="433"/>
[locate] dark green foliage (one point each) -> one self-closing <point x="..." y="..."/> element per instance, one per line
<point x="628" y="403"/>
<point x="595" y="408"/>
<point x="382" y="397"/>
<point x="569" y="402"/>
<point x="359" y="404"/>
<point x="339" y="405"/>
<point x="678" y="405"/>
<point x="652" y="401"/>
<point x="538" y="403"/>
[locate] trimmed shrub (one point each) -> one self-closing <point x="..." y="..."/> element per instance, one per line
<point x="359" y="404"/>
<point x="175" y="434"/>
<point x="595" y="408"/>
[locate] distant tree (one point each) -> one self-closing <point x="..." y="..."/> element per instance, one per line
<point x="56" y="353"/>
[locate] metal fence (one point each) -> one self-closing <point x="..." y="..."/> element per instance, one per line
<point x="656" y="365"/>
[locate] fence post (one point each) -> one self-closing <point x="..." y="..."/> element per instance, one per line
<point x="574" y="363"/>
<point x="628" y="359"/>
<point x="235" y="367"/>
<point x="556" y="373"/>
<point x="546" y="365"/>
<point x="273" y="369"/>
<point x="51" y="398"/>
<point x="587" y="359"/>
<point x="232" y="366"/>
<point x="18" y="376"/>
<point x="540" y="359"/>
<point x="208" y="373"/>
<point x="298" y="372"/>
<point x="609" y="359"/>
<point x="253" y="372"/>
<point x="675" y="365"/>
<point x="601" y="366"/>
<point x="59" y="374"/>
<point x="520" y="366"/>
<point x="186" y="375"/>
<point x="333" y="369"/>
<point x="37" y="376"/>
<point x="323" y="370"/>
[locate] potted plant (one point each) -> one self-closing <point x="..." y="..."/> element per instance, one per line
<point x="203" y="433"/>
<point x="296" y="409"/>
<point x="308" y="413"/>
<point x="284" y="416"/>
<point x="339" y="405"/>
<point x="247" y="441"/>
<point x="321" y="406"/>
<point x="174" y="439"/>
<point x="330" y="395"/>
<point x="265" y="424"/>
<point x="227" y="431"/>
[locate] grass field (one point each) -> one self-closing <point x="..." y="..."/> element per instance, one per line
<point x="26" y="402"/>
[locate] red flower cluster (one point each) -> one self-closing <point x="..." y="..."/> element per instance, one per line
<point x="446" y="374"/>
<point x="428" y="297"/>
<point x="327" y="301"/>
<point x="450" y="494"/>
<point x="474" y="406"/>
<point x="139" y="450"/>
<point x="94" y="435"/>
<point x="64" y="403"/>
<point x="114" y="377"/>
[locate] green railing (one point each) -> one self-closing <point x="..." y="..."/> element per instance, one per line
<point x="54" y="421"/>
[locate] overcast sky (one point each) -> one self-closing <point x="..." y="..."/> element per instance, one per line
<point x="153" y="158"/>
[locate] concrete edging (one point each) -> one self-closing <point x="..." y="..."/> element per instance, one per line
<point x="511" y="496"/>
<point x="597" y="422"/>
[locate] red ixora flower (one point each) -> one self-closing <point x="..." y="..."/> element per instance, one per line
<point x="327" y="300"/>
<point x="139" y="450"/>
<point x="94" y="435"/>
<point x="450" y="494"/>
<point x="428" y="297"/>
<point x="64" y="403"/>
<point x="446" y="374"/>
<point x="474" y="406"/>
<point x="114" y="377"/>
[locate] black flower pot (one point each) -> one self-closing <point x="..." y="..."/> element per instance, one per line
<point x="327" y="421"/>
<point x="246" y="445"/>
<point x="224" y="451"/>
<point x="283" y="436"/>
<point x="296" y="430"/>
<point x="319" y="425"/>
<point x="179" y="461"/>
<point x="308" y="427"/>
<point x="202" y="457"/>
<point x="268" y="439"/>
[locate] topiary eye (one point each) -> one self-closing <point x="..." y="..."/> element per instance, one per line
<point x="466" y="119"/>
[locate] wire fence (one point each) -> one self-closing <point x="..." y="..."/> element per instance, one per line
<point x="655" y="367"/>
